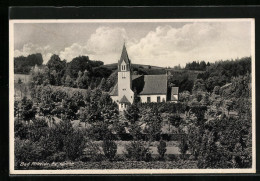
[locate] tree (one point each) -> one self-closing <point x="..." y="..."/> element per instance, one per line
<point x="83" y="115"/>
<point x="194" y="140"/>
<point x="210" y="156"/>
<point x="153" y="123"/>
<point x="175" y="120"/>
<point x="161" y="148"/>
<point x="103" y="85"/>
<point x="28" y="111"/>
<point x="199" y="85"/>
<point x="184" y="96"/>
<point x="69" y="81"/>
<point x="199" y="112"/>
<point x="83" y="81"/>
<point x="45" y="108"/>
<point x="40" y="78"/>
<point x="132" y="113"/>
<point x="137" y="151"/>
<point x="56" y="64"/>
<point x="183" y="146"/>
<point x="38" y="129"/>
<point x="74" y="144"/>
<point x="78" y="79"/>
<point x="69" y="108"/>
<point x="109" y="148"/>
<point x="20" y="86"/>
<point x="77" y="64"/>
<point x="23" y="65"/>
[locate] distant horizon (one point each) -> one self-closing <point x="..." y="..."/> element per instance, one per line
<point x="233" y="59"/>
<point x="155" y="43"/>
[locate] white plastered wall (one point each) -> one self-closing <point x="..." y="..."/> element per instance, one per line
<point x="143" y="98"/>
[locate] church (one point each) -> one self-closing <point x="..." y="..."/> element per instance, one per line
<point x="148" y="88"/>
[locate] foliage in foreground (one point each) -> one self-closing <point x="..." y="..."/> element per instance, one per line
<point x="59" y="143"/>
<point x="136" y="150"/>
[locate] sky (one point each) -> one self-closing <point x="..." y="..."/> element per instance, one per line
<point x="154" y="43"/>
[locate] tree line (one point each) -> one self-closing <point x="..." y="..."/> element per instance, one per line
<point x="79" y="73"/>
<point x="23" y="65"/>
<point x="215" y="74"/>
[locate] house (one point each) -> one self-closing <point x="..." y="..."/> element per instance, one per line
<point x="148" y="88"/>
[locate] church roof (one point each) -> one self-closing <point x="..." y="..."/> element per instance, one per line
<point x="124" y="56"/>
<point x="150" y="84"/>
<point x="146" y="85"/>
<point x="136" y="76"/>
<point x="124" y="100"/>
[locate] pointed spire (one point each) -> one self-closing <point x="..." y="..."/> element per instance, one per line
<point x="124" y="55"/>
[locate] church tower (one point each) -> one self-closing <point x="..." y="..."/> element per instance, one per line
<point x="125" y="93"/>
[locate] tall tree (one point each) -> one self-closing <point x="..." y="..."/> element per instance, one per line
<point x="77" y="64"/>
<point x="28" y="111"/>
<point x="69" y="81"/>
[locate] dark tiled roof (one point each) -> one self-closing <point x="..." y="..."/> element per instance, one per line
<point x="114" y="91"/>
<point x="124" y="56"/>
<point x="136" y="76"/>
<point x="146" y="85"/>
<point x="124" y="100"/>
<point x="150" y="84"/>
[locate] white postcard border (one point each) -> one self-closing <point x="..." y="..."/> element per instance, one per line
<point x="12" y="171"/>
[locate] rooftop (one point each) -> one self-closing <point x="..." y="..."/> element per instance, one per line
<point x="150" y="84"/>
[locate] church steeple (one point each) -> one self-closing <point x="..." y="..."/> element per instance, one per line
<point x="124" y="59"/>
<point x="125" y="93"/>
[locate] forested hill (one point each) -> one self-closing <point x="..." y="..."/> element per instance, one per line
<point x="23" y="65"/>
<point x="84" y="73"/>
<point x="222" y="72"/>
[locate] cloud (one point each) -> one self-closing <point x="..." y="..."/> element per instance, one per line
<point x="168" y="46"/>
<point x="31" y="48"/>
<point x="163" y="46"/>
<point x="105" y="44"/>
<point x="107" y="40"/>
<point x="73" y="51"/>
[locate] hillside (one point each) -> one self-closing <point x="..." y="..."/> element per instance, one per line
<point x="113" y="66"/>
<point x="154" y="70"/>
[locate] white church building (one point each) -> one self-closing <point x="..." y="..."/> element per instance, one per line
<point x="149" y="88"/>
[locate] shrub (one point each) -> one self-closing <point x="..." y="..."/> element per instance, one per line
<point x="109" y="148"/>
<point x="93" y="152"/>
<point x="173" y="157"/>
<point x="27" y="151"/>
<point x="175" y="120"/>
<point x="74" y="144"/>
<point x="20" y="130"/>
<point x="38" y="129"/>
<point x="137" y="151"/>
<point x="57" y="157"/>
<point x="161" y="148"/>
<point x="99" y="131"/>
<point x="183" y="146"/>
